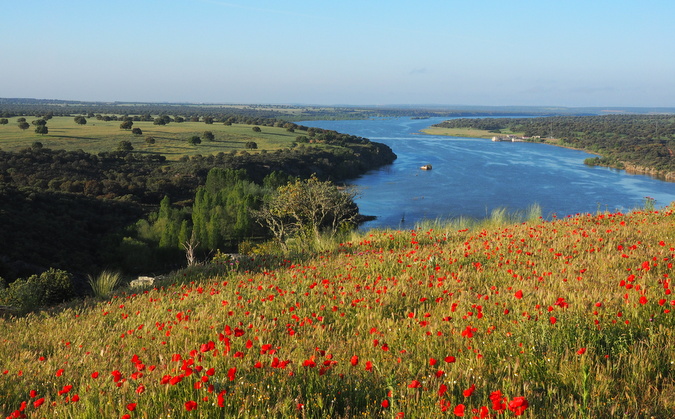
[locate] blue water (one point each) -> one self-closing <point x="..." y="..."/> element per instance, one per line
<point x="471" y="177"/>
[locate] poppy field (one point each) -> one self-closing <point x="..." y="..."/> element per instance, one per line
<point x="568" y="318"/>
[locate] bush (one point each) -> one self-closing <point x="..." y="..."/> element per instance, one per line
<point x="47" y="289"/>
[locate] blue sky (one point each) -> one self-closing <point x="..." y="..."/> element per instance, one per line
<point x="366" y="52"/>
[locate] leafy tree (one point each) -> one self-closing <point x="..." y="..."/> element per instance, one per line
<point x="125" y="146"/>
<point x="4" y="121"/>
<point x="208" y="120"/>
<point x="256" y="129"/>
<point x="20" y="120"/>
<point x="194" y="140"/>
<point x="136" y="131"/>
<point x="36" y="145"/>
<point x="24" y="125"/>
<point x="251" y="145"/>
<point x="208" y="136"/>
<point x="81" y="120"/>
<point x="127" y="124"/>
<point x="149" y="140"/>
<point x="39" y="122"/>
<point x="307" y="207"/>
<point x="41" y="129"/>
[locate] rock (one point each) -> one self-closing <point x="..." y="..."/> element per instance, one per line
<point x="142" y="282"/>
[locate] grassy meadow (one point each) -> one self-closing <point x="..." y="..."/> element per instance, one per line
<point x="465" y="132"/>
<point x="171" y="140"/>
<point x="569" y="318"/>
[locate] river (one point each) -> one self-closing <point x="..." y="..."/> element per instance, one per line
<point x="473" y="176"/>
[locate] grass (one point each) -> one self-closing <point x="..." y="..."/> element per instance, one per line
<point x="466" y="132"/>
<point x="571" y="318"/>
<point x="105" y="283"/>
<point x="171" y="139"/>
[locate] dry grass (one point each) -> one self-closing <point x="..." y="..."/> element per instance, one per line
<point x="573" y="315"/>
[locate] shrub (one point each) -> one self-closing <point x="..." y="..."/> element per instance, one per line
<point x="49" y="288"/>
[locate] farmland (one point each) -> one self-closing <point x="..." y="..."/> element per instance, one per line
<point x="171" y="140"/>
<point x="564" y="318"/>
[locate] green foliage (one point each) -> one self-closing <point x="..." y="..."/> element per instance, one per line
<point x="306" y="209"/>
<point x="49" y="288"/>
<point x="104" y="284"/>
<point x="125" y="146"/>
<point x="194" y="140"/>
<point x="221" y="212"/>
<point x="41" y="129"/>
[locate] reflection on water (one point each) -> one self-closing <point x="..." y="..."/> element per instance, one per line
<point x="471" y="177"/>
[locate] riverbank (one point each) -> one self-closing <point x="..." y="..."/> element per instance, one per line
<point x="480" y="133"/>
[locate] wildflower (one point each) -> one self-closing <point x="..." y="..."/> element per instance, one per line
<point x="131" y="407"/>
<point x="459" y="410"/>
<point x="355" y="360"/>
<point x="518" y="405"/>
<point x="385" y="403"/>
<point x="190" y="405"/>
<point x="414" y="384"/>
<point x="469" y="391"/>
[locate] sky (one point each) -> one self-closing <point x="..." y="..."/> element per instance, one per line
<point x="599" y="53"/>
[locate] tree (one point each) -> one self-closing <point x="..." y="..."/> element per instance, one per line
<point x="41" y="129"/>
<point x="256" y="129"/>
<point x="81" y="120"/>
<point x="251" y="145"/>
<point x="4" y="121"/>
<point x="127" y="124"/>
<point x="208" y="120"/>
<point x="307" y="207"/>
<point x="136" y="131"/>
<point x="208" y="136"/>
<point x="149" y="140"/>
<point x="24" y="125"/>
<point x="194" y="140"/>
<point x="39" y="122"/>
<point x="125" y="146"/>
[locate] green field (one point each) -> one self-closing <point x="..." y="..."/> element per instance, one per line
<point x="171" y="139"/>
<point x="465" y="132"/>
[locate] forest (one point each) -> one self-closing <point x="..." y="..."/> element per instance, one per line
<point x="647" y="141"/>
<point x="133" y="211"/>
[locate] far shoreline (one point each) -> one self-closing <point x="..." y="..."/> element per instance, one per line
<point x="485" y="134"/>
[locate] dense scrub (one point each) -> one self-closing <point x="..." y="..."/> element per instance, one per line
<point x="567" y="318"/>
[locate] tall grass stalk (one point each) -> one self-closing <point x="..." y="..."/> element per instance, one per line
<point x="104" y="284"/>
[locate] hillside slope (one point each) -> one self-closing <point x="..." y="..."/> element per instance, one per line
<point x="568" y="318"/>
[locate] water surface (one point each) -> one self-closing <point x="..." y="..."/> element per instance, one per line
<point x="472" y="176"/>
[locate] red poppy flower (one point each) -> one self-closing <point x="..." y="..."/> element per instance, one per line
<point x="131" y="407"/>
<point x="232" y="373"/>
<point x="191" y="405"/>
<point x="459" y="410"/>
<point x="37" y="403"/>
<point x="385" y="403"/>
<point x="518" y="294"/>
<point x="415" y="384"/>
<point x="469" y="391"/>
<point x="355" y="360"/>
<point x="518" y="405"/>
